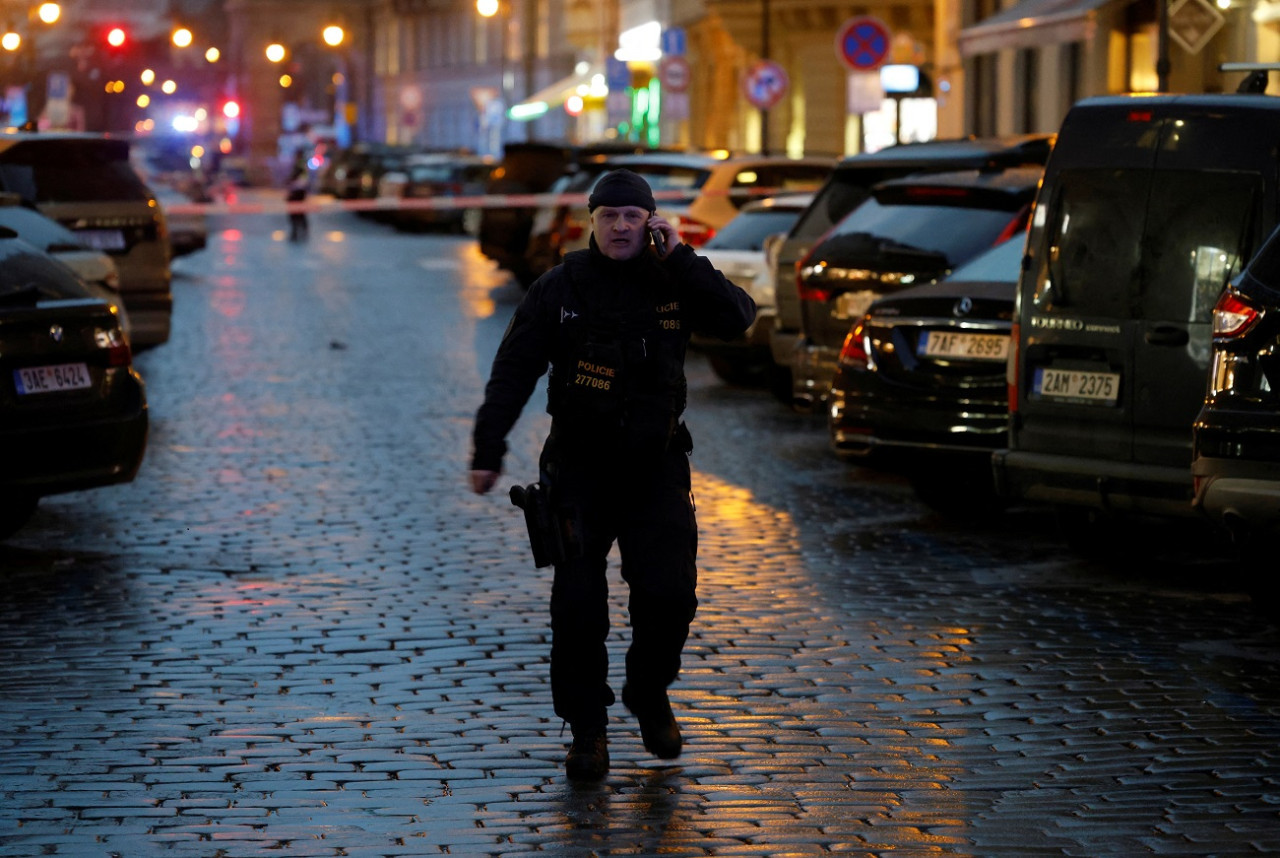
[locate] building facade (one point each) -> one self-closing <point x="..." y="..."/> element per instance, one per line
<point x="439" y="74"/>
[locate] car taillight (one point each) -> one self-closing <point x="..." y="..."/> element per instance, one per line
<point x="1233" y="316"/>
<point x="854" y="351"/>
<point x="1011" y="369"/>
<point x="113" y="341"/>
<point x="806" y="283"/>
<point x="695" y="233"/>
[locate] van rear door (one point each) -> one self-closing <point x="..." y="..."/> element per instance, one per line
<point x="1147" y="209"/>
<point x="1077" y="310"/>
<point x="1203" y="222"/>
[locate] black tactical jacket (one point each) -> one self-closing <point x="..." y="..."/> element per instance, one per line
<point x="614" y="335"/>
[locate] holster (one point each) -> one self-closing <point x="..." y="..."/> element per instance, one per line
<point x="550" y="536"/>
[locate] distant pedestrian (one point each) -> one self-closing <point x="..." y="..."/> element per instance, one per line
<point x="613" y="322"/>
<point x="296" y="192"/>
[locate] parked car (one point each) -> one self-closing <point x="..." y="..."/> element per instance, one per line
<point x="742" y="251"/>
<point x="74" y="409"/>
<point x="844" y="190"/>
<point x="1149" y="207"/>
<point x="345" y="175"/>
<point x="379" y="162"/>
<point x="1236" y="436"/>
<point x="86" y="183"/>
<point x="920" y="382"/>
<point x="94" y="267"/>
<point x="188" y="225"/>
<point x="436" y="178"/>
<point x="910" y="231"/>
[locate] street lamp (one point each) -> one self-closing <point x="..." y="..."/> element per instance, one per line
<point x="335" y="36"/>
<point x="489" y="10"/>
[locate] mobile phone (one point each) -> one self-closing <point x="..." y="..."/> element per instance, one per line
<point x="659" y="241"/>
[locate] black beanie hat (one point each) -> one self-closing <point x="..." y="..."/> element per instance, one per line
<point x="619" y="188"/>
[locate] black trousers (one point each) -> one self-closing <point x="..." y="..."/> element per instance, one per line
<point x="645" y="504"/>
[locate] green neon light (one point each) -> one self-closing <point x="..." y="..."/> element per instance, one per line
<point x="655" y="112"/>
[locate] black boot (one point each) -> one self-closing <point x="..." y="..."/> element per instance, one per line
<point x="658" y="726"/>
<point x="588" y="758"/>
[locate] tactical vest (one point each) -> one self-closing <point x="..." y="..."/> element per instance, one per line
<point x="619" y="380"/>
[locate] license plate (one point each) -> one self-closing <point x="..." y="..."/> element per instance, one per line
<point x="852" y="305"/>
<point x="956" y="344"/>
<point x="51" y="379"/>
<point x="102" y="239"/>
<point x="1075" y="386"/>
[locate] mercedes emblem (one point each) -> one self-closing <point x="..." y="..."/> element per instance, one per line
<point x="55" y="333"/>
<point x="963" y="307"/>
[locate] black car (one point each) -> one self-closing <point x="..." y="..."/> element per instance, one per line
<point x="1236" y="437"/>
<point x="1150" y="206"/>
<point x="920" y="382"/>
<point x="844" y="190"/>
<point x="910" y="231"/>
<point x="425" y="186"/>
<point x="73" y="411"/>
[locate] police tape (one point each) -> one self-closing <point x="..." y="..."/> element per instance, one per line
<point x="256" y="202"/>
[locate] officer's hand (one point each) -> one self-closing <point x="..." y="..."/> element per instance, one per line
<point x="483" y="481"/>
<point x="662" y="225"/>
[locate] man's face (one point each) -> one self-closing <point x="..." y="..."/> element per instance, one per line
<point x="620" y="232"/>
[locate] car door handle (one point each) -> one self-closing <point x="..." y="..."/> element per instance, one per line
<point x="1167" y="335"/>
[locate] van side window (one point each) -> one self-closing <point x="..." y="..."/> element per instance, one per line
<point x="1087" y="256"/>
<point x="1201" y="232"/>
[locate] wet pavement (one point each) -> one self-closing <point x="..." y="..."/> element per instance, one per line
<point x="297" y="634"/>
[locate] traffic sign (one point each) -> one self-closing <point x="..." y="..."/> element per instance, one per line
<point x="862" y="43"/>
<point x="674" y="73"/>
<point x="673" y="42"/>
<point x="765" y="83"/>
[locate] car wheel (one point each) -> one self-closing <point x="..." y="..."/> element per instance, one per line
<point x="15" y="512"/>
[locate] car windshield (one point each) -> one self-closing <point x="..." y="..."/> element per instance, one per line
<point x="748" y="230"/>
<point x="928" y="228"/>
<point x="25" y="270"/>
<point x="672" y="179"/>
<point x="50" y="171"/>
<point x="38" y="229"/>
<point x="1000" y="264"/>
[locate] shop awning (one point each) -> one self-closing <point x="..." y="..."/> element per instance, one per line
<point x="1030" y="24"/>
<point x="553" y="95"/>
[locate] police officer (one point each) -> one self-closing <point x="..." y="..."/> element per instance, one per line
<point x="613" y="321"/>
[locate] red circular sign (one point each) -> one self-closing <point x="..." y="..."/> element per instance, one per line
<point x="674" y="73"/>
<point x="863" y="43"/>
<point x="765" y="83"/>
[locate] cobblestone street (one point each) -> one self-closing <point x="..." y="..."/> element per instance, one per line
<point x="298" y="634"/>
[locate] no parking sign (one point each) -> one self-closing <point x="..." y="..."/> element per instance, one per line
<point x="765" y="83"/>
<point x="863" y="42"/>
